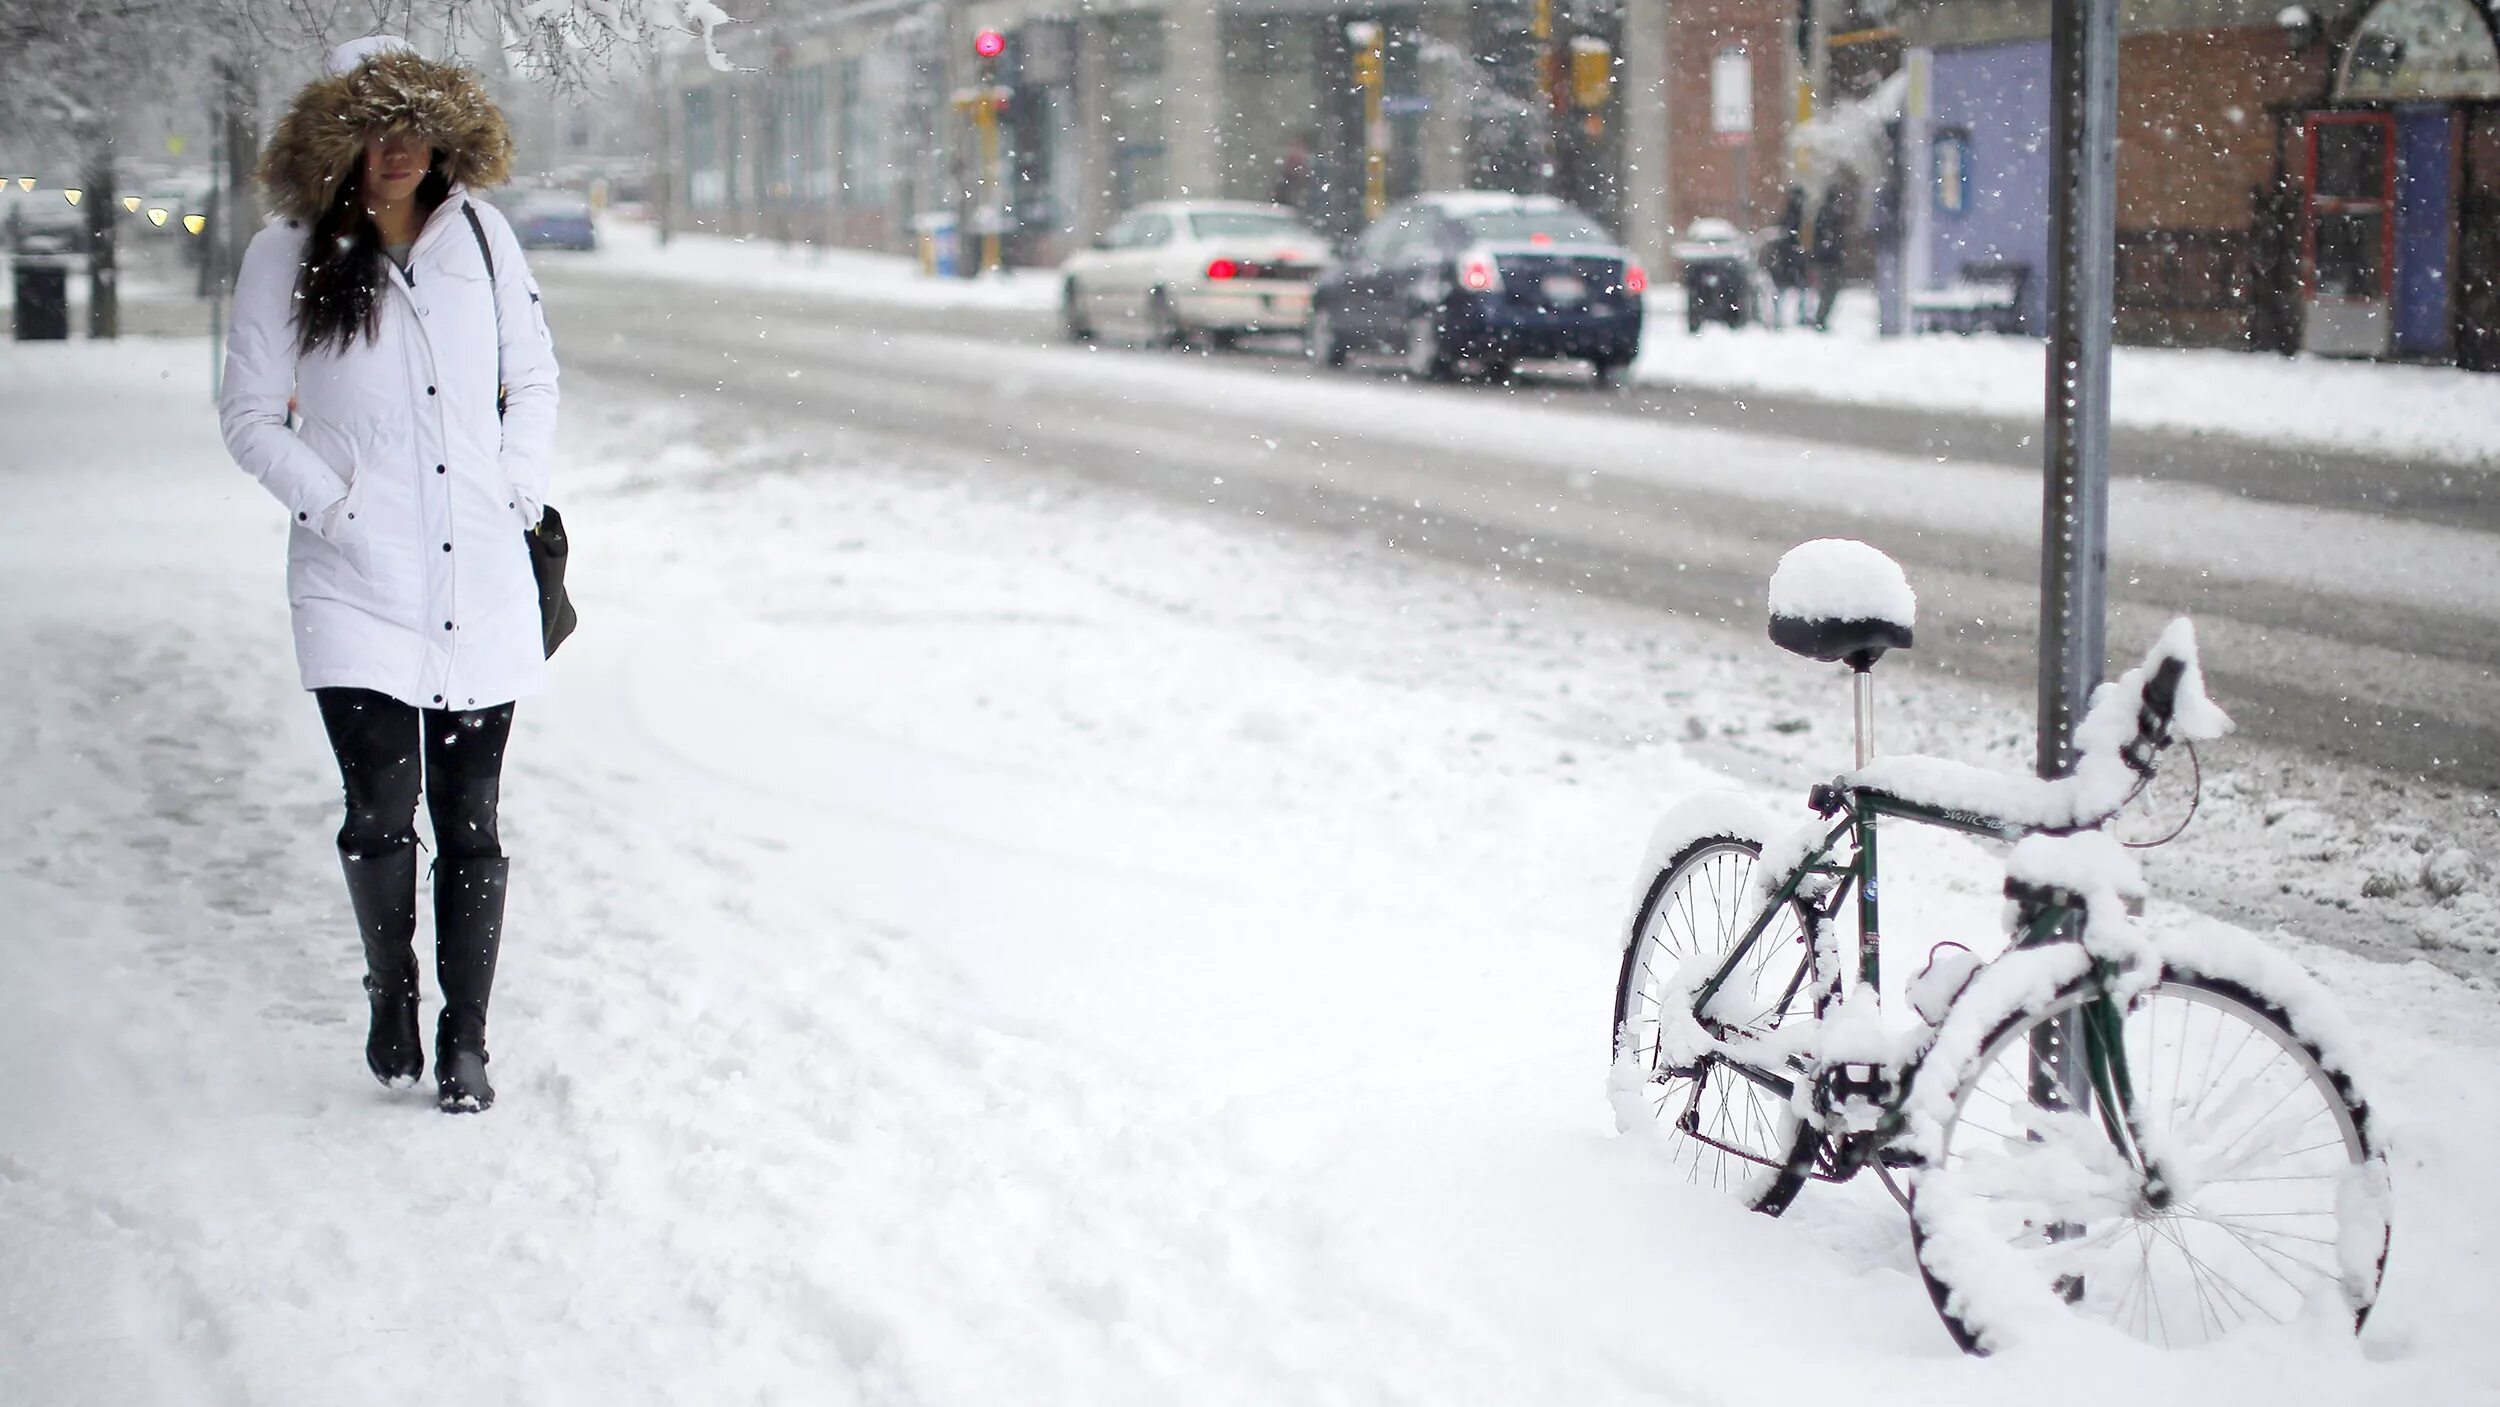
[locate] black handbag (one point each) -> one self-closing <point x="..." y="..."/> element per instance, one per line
<point x="547" y="553"/>
<point x="547" y="543"/>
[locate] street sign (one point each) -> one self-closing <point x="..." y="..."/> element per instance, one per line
<point x="1731" y="96"/>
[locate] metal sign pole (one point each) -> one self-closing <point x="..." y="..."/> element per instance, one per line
<point x="2074" y="537"/>
<point x="2074" y="514"/>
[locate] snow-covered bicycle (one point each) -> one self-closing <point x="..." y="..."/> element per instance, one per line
<point x="2161" y="1131"/>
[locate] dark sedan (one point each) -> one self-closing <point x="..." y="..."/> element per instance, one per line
<point x="552" y="220"/>
<point x="1481" y="277"/>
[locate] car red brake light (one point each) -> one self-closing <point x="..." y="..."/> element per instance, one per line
<point x="1223" y="268"/>
<point x="1540" y="237"/>
<point x="1478" y="275"/>
<point x="1635" y="279"/>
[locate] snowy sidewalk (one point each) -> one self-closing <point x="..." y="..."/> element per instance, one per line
<point x="2431" y="414"/>
<point x="972" y="942"/>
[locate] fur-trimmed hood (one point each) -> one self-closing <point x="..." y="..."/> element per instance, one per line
<point x="323" y="132"/>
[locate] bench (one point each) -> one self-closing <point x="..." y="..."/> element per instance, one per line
<point x="1986" y="297"/>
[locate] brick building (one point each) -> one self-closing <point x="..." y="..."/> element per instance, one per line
<point x="1731" y="75"/>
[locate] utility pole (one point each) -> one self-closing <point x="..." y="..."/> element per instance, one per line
<point x="1549" y="106"/>
<point x="2074" y="520"/>
<point x="1369" y="41"/>
<point x="102" y="204"/>
<point x="662" y="191"/>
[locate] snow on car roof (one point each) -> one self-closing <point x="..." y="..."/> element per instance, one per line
<point x="1200" y="207"/>
<point x="1477" y="202"/>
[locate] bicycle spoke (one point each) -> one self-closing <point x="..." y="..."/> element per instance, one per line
<point x="2272" y="1258"/>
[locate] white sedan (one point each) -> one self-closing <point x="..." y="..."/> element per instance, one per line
<point x="1178" y="270"/>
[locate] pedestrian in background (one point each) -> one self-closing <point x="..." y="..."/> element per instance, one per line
<point x="374" y="323"/>
<point x="1830" y="247"/>
<point x="1784" y="258"/>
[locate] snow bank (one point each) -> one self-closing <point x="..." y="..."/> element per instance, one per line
<point x="633" y="250"/>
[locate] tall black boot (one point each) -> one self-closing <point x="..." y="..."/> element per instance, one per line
<point x="382" y="888"/>
<point x="468" y="931"/>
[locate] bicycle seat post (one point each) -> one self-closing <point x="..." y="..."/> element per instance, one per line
<point x="1862" y="678"/>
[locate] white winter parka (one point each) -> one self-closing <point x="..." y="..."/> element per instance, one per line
<point x="406" y="569"/>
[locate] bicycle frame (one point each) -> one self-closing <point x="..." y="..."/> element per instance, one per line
<point x="2044" y="917"/>
<point x="1860" y="812"/>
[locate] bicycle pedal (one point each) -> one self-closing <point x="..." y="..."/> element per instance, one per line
<point x="1855" y="1095"/>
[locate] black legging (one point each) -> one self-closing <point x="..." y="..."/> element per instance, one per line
<point x="376" y="739"/>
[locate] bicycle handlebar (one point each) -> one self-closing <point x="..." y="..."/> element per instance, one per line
<point x="2116" y="746"/>
<point x="2154" y="714"/>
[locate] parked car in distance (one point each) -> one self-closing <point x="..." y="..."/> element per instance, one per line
<point x="41" y="222"/>
<point x="1175" y="271"/>
<point x="551" y="220"/>
<point x="1719" y="274"/>
<point x="1483" y="277"/>
<point x="41" y="231"/>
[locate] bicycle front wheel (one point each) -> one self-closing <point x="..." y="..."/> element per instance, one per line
<point x="1695" y="911"/>
<point x="2243" y="1188"/>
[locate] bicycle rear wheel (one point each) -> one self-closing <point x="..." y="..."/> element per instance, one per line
<point x="2254" y="1194"/>
<point x="1695" y="910"/>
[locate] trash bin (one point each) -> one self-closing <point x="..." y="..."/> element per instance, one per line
<point x="938" y="251"/>
<point x="1718" y="274"/>
<point x="41" y="287"/>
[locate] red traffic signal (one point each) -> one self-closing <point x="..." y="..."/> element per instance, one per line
<point x="989" y="43"/>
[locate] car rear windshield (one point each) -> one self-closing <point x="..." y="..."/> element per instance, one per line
<point x="1236" y="224"/>
<point x="1535" y="226"/>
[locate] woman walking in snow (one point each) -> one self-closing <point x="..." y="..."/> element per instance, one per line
<point x="385" y="307"/>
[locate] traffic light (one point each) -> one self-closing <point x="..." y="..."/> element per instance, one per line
<point x="989" y="44"/>
<point x="1592" y="71"/>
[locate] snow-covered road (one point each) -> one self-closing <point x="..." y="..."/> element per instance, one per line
<point x="2347" y="633"/>
<point x="976" y="938"/>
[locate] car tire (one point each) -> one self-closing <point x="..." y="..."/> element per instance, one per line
<point x="1163" y="322"/>
<point x="1320" y="341"/>
<point x="1427" y="356"/>
<point x="1609" y="372"/>
<point x="1070" y="316"/>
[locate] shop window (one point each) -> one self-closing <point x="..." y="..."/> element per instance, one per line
<point x="1952" y="170"/>
<point x="1137" y="44"/>
<point x="866" y="170"/>
<point x="2348" y="255"/>
<point x="705" y="184"/>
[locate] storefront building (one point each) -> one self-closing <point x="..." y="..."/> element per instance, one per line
<point x="2321" y="178"/>
<point x="843" y="122"/>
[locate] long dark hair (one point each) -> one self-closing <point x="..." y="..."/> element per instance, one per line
<point x="339" y="293"/>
